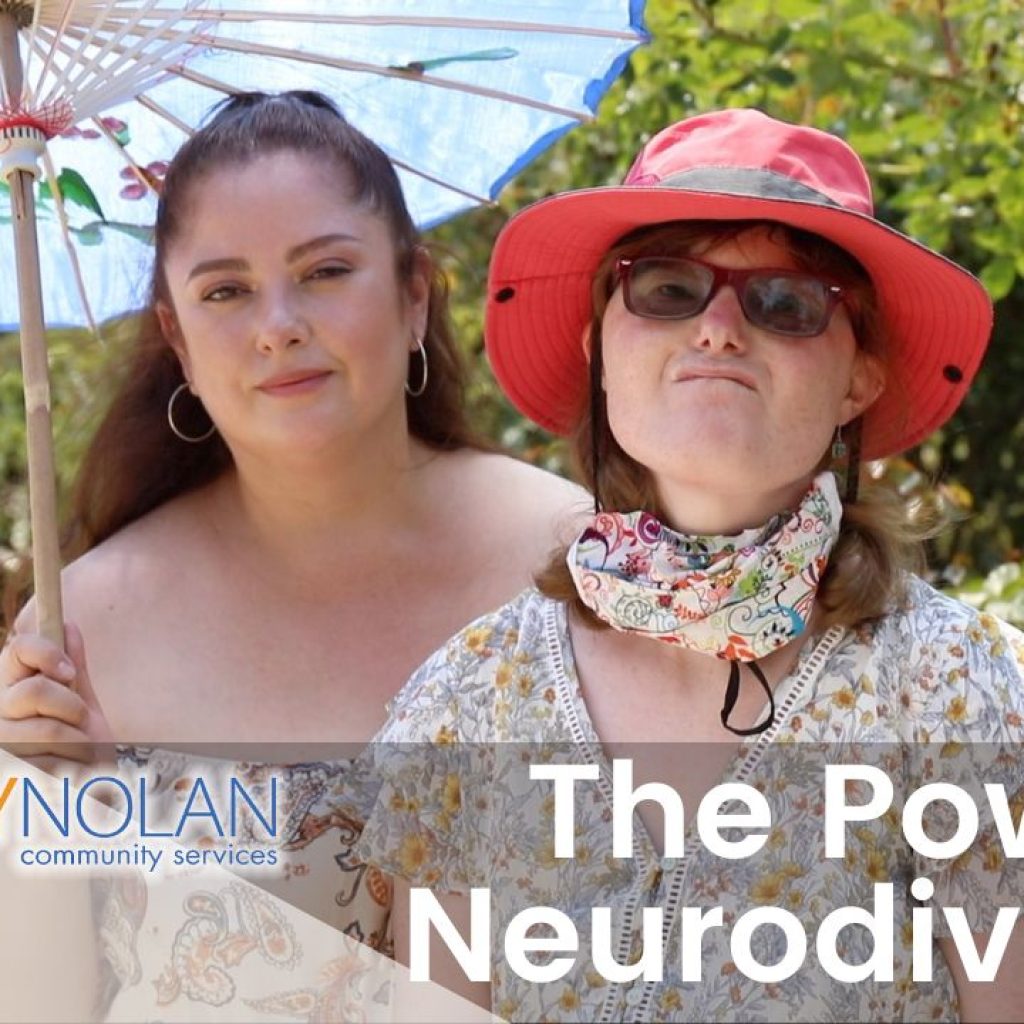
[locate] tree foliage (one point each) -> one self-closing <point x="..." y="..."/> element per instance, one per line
<point x="928" y="91"/>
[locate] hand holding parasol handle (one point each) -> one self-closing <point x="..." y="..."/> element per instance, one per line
<point x="35" y="370"/>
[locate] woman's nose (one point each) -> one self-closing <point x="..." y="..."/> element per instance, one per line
<point x="722" y="325"/>
<point x="282" y="324"/>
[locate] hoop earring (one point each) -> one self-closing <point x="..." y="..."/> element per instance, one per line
<point x="416" y="392"/>
<point x="174" y="427"/>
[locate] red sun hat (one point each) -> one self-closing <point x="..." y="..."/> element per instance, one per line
<point x="722" y="166"/>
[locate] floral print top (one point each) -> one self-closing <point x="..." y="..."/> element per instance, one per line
<point x="290" y="942"/>
<point x="930" y="691"/>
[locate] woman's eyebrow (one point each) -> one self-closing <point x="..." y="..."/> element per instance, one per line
<point x="300" y="250"/>
<point x="221" y="264"/>
<point x="297" y="252"/>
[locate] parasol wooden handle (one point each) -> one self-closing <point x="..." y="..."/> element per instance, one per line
<point x="42" y="485"/>
<point x="42" y="480"/>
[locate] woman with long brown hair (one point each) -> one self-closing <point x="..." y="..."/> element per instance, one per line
<point x="282" y="513"/>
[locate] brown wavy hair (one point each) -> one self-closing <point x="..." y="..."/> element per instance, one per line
<point x="881" y="537"/>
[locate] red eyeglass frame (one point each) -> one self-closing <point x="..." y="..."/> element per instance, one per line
<point x="737" y="279"/>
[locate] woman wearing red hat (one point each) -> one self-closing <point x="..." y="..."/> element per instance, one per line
<point x="724" y="337"/>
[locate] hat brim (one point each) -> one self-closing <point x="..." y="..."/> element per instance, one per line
<point x="938" y="317"/>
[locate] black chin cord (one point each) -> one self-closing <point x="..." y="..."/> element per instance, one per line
<point x="596" y="433"/>
<point x="854" y="435"/>
<point x="732" y="692"/>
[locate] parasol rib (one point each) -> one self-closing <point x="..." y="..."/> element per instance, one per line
<point x="412" y="21"/>
<point x="37" y="12"/>
<point x="65" y="227"/>
<point x="427" y="176"/>
<point x="160" y="111"/>
<point x="143" y="178"/>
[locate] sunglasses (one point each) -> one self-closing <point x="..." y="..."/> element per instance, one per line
<point x="677" y="288"/>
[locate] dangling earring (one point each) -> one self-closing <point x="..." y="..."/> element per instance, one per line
<point x="178" y="432"/>
<point x="416" y="392"/>
<point x="838" y="445"/>
<point x="846" y="460"/>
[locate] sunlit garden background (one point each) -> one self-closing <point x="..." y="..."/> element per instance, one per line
<point x="930" y="92"/>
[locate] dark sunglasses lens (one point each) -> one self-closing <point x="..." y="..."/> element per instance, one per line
<point x="786" y="304"/>
<point x="667" y="289"/>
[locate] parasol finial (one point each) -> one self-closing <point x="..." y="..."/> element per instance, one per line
<point x="20" y="10"/>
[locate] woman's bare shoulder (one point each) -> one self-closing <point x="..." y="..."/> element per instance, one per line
<point x="528" y="485"/>
<point x="512" y="490"/>
<point x="133" y="564"/>
<point x="532" y="510"/>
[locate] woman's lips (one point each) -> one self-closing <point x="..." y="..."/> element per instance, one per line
<point x="730" y="378"/>
<point x="294" y="383"/>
